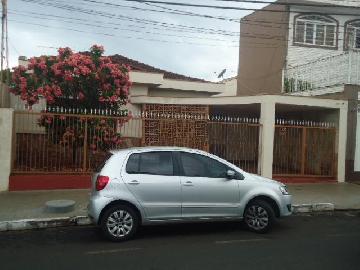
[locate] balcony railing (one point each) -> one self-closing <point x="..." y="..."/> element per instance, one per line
<point x="324" y="73"/>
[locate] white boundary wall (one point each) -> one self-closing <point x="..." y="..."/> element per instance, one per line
<point x="6" y="133"/>
<point x="357" y="147"/>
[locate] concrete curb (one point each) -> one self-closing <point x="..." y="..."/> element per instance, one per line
<point x="39" y="223"/>
<point x="316" y="207"/>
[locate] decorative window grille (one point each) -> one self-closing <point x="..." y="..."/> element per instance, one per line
<point x="316" y="30"/>
<point x="352" y="36"/>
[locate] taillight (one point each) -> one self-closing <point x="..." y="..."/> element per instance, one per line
<point x="101" y="182"/>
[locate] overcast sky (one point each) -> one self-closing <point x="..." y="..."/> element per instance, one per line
<point x="37" y="27"/>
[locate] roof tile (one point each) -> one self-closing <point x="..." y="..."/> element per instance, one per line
<point x="138" y="66"/>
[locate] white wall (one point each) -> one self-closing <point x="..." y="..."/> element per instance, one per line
<point x="6" y="135"/>
<point x="357" y="147"/>
<point x="139" y="90"/>
<point x="4" y="96"/>
<point x="230" y="88"/>
<point x="338" y="2"/>
<point x="298" y="55"/>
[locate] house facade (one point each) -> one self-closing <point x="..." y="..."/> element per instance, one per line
<point x="262" y="134"/>
<point x="306" y="48"/>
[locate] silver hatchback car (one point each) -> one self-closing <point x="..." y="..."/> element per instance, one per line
<point x="153" y="185"/>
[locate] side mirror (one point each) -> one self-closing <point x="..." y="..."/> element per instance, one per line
<point x="230" y="174"/>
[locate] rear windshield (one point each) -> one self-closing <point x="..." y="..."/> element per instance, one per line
<point x="102" y="160"/>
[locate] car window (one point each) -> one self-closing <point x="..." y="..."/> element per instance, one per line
<point x="133" y="163"/>
<point x="157" y="163"/>
<point x="195" y="165"/>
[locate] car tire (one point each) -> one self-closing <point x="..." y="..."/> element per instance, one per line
<point x="119" y="223"/>
<point x="259" y="216"/>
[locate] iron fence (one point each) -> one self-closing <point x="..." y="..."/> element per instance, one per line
<point x="67" y="142"/>
<point x="73" y="141"/>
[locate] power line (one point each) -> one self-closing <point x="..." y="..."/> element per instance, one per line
<point x="187" y="13"/>
<point x="4" y="50"/>
<point x="249" y="35"/>
<point x="165" y="25"/>
<point x="287" y="2"/>
<point x="122" y="17"/>
<point x="13" y="46"/>
<point x="150" y="22"/>
<point x="214" y="7"/>
<point x="124" y="29"/>
<point x="100" y="22"/>
<point x="252" y="35"/>
<point x="242" y="21"/>
<point x="279" y="3"/>
<point x="167" y="11"/>
<point x="122" y="36"/>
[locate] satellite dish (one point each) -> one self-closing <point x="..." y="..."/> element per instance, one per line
<point x="221" y="74"/>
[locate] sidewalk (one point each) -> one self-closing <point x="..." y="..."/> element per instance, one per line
<point x="344" y="196"/>
<point x="19" y="205"/>
<point x="30" y="205"/>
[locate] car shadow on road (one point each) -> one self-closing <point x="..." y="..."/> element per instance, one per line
<point x="92" y="235"/>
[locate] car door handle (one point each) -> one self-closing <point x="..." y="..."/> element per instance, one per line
<point x="134" y="182"/>
<point x="188" y="183"/>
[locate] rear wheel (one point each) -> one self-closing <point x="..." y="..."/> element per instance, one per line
<point x="259" y="216"/>
<point x="119" y="223"/>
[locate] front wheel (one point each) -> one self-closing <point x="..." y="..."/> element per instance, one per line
<point x="119" y="223"/>
<point x="259" y="216"/>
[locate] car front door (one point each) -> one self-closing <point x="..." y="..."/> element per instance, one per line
<point x="206" y="190"/>
<point x="150" y="177"/>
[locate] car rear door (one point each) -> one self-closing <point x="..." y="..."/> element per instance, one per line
<point x="150" y="177"/>
<point x="206" y="191"/>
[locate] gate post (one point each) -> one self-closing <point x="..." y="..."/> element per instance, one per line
<point x="6" y="146"/>
<point x="341" y="146"/>
<point x="303" y="150"/>
<point x="85" y="145"/>
<point x="267" y="120"/>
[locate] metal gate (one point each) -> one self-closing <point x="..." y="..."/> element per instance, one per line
<point x="237" y="141"/>
<point x="305" y="150"/>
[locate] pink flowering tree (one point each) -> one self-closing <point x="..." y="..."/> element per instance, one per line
<point x="85" y="81"/>
<point x="90" y="80"/>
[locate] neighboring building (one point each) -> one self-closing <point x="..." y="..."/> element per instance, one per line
<point x="299" y="40"/>
<point x="306" y="48"/>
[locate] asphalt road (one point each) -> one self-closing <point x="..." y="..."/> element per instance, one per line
<point x="299" y="242"/>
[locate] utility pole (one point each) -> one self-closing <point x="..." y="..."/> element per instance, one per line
<point x="4" y="49"/>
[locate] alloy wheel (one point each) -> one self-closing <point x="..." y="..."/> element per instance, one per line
<point x="256" y="217"/>
<point x="120" y="223"/>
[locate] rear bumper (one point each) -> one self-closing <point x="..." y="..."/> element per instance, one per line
<point x="96" y="205"/>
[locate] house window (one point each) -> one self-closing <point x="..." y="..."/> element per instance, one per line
<point x="315" y="30"/>
<point x="352" y="36"/>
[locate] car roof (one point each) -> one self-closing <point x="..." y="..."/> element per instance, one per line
<point x="155" y="148"/>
